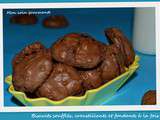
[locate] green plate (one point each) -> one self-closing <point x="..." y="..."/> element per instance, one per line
<point x="91" y="97"/>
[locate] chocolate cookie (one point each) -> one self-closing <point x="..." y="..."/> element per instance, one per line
<point x="27" y="52"/>
<point x="63" y="81"/>
<point x="24" y="19"/>
<point x="78" y="50"/>
<point x="112" y="65"/>
<point x="120" y="57"/>
<point x="115" y="36"/>
<point x="149" y="98"/>
<point x="91" y="79"/>
<point x="31" y="68"/>
<point x="56" y="21"/>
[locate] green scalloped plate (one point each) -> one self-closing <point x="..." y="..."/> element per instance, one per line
<point x="91" y="97"/>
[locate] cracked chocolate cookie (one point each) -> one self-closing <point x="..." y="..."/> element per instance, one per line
<point x="91" y="79"/>
<point x="115" y="36"/>
<point x="31" y="67"/>
<point x="63" y="81"/>
<point x="78" y="50"/>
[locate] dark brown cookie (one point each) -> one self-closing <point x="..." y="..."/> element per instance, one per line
<point x="28" y="52"/>
<point x="24" y="19"/>
<point x="78" y="50"/>
<point x="109" y="67"/>
<point x="56" y="21"/>
<point x="63" y="81"/>
<point x="31" y="68"/>
<point x="149" y="98"/>
<point x="91" y="79"/>
<point x="120" y="58"/>
<point x="115" y="36"/>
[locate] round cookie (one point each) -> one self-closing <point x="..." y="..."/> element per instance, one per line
<point x="63" y="81"/>
<point x="24" y="19"/>
<point x="115" y="36"/>
<point x="27" y="52"/>
<point x="91" y="79"/>
<point x="149" y="98"/>
<point x="57" y="21"/>
<point x="31" y="68"/>
<point x="78" y="50"/>
<point x="109" y="67"/>
<point x="120" y="58"/>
